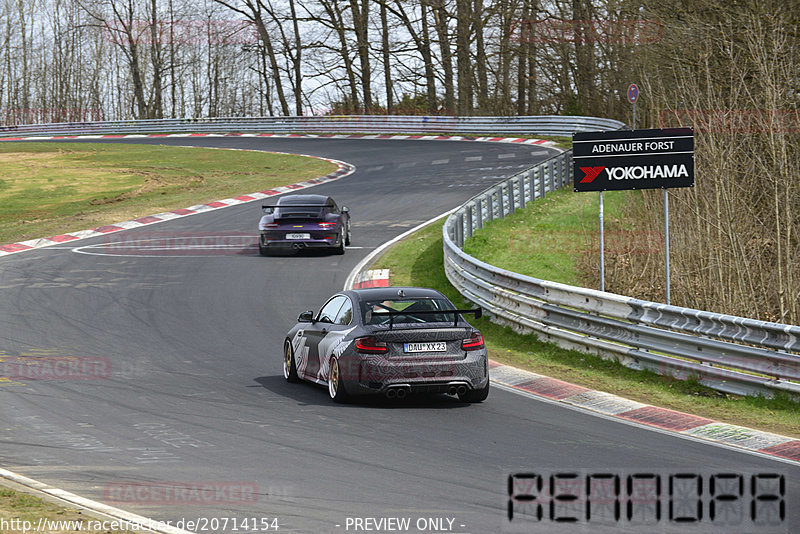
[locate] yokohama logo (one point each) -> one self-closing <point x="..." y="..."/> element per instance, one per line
<point x="644" y="172"/>
<point x="591" y="173"/>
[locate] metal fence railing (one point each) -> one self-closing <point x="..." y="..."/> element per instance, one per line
<point x="731" y="354"/>
<point x="531" y="125"/>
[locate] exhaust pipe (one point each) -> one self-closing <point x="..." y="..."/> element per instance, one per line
<point x="298" y="246"/>
<point x="401" y="393"/>
<point x="462" y="390"/>
<point x="391" y="393"/>
<point x="452" y="390"/>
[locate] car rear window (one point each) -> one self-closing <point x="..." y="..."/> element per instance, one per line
<point x="377" y="311"/>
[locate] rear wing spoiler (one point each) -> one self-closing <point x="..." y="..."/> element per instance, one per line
<point x="477" y="312"/>
<point x="272" y="208"/>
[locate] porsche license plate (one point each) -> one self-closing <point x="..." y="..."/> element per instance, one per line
<point x="298" y="236"/>
<point x="438" y="346"/>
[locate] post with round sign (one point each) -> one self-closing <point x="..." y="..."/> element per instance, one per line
<point x="633" y="96"/>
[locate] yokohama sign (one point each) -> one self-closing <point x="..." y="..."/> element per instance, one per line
<point x="639" y="159"/>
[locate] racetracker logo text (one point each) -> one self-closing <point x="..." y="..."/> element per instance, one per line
<point x="174" y="493"/>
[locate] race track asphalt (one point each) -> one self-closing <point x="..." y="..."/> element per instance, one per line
<point x="193" y="391"/>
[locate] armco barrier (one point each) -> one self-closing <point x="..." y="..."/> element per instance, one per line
<point x="532" y="125"/>
<point x="731" y="354"/>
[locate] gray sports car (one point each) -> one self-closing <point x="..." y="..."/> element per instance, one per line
<point x="389" y="341"/>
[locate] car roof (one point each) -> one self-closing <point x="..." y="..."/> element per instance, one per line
<point x="289" y="200"/>
<point x="388" y="293"/>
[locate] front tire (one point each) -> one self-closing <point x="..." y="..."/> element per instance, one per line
<point x="335" y="387"/>
<point x="475" y="395"/>
<point x="289" y="365"/>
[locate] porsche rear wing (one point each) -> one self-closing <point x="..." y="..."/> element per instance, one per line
<point x="318" y="206"/>
<point x="477" y="312"/>
<point x="295" y="211"/>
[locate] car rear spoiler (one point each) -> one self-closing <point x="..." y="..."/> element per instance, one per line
<point x="477" y="312"/>
<point x="318" y="206"/>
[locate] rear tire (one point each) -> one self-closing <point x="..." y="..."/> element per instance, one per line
<point x="475" y="395"/>
<point x="262" y="250"/>
<point x="349" y="235"/>
<point x="335" y="387"/>
<point x="289" y="365"/>
<point x="340" y="249"/>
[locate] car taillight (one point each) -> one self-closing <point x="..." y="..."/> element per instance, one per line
<point x="327" y="224"/>
<point x="269" y="225"/>
<point x="474" y="342"/>
<point x="370" y="345"/>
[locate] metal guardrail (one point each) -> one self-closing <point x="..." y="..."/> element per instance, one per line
<point x="532" y="125"/>
<point x="731" y="354"/>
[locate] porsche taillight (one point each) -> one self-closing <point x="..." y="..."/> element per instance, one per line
<point x="327" y="225"/>
<point x="474" y="342"/>
<point x="370" y="345"/>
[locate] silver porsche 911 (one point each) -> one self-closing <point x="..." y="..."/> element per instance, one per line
<point x="388" y="341"/>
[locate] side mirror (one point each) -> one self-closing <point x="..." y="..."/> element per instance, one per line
<point x="345" y="209"/>
<point x="306" y="317"/>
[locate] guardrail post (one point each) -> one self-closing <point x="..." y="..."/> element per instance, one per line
<point x="469" y="221"/>
<point x="531" y="186"/>
<point x="551" y="173"/>
<point x="512" y="201"/>
<point x="479" y="213"/>
<point x="542" y="181"/>
<point x="501" y="209"/>
<point x="489" y="207"/>
<point x="460" y="230"/>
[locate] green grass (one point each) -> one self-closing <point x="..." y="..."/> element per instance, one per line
<point x="48" y="189"/>
<point x="551" y="237"/>
<point x="19" y="506"/>
<point x="417" y="261"/>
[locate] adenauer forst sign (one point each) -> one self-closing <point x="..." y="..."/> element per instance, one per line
<point x="633" y="159"/>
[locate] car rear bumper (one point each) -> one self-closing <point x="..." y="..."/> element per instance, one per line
<point x="294" y="244"/>
<point x="377" y="375"/>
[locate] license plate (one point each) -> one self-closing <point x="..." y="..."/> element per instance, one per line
<point x="298" y="236"/>
<point x="439" y="346"/>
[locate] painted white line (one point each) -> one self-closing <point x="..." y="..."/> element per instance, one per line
<point x="147" y="524"/>
<point x="473" y="158"/>
<point x="440" y="161"/>
<point x="351" y="278"/>
<point x="506" y="156"/>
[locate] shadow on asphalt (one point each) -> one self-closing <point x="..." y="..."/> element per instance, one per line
<point x="311" y="394"/>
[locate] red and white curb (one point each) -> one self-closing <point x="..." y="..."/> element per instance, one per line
<point x="344" y="169"/>
<point x="516" y="140"/>
<point x="613" y="406"/>
<point x="372" y="278"/>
